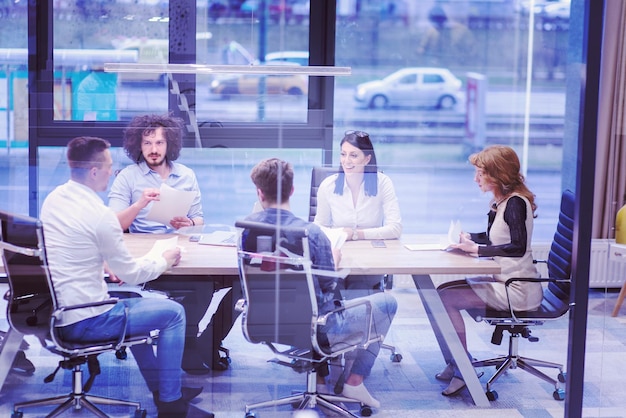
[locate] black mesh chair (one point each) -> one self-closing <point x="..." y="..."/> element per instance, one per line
<point x="33" y="309"/>
<point x="318" y="174"/>
<point x="555" y="304"/>
<point x="280" y="310"/>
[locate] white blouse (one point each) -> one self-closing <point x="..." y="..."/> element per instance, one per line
<point x="377" y="216"/>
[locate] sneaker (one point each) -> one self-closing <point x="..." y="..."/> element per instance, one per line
<point x="360" y="393"/>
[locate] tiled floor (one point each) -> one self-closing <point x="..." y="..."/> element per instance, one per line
<point x="405" y="389"/>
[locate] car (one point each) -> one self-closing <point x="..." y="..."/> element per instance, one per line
<point x="149" y="51"/>
<point x="295" y="57"/>
<point x="557" y="13"/>
<point x="248" y="84"/>
<point x="415" y="86"/>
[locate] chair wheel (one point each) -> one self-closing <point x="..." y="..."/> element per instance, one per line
<point x="17" y="414"/>
<point x="251" y="415"/>
<point x="396" y="358"/>
<point x="492" y="395"/>
<point x="562" y="376"/>
<point x="366" y="411"/>
<point x="121" y="354"/>
<point x="141" y="413"/>
<point x="558" y="395"/>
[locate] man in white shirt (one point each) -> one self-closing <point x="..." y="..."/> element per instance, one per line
<point x="82" y="234"/>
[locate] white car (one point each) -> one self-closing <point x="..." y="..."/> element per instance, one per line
<point x="417" y="87"/>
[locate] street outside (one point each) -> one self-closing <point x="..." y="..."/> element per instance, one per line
<point x="434" y="183"/>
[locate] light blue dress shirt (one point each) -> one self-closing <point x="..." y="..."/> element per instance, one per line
<point x="130" y="183"/>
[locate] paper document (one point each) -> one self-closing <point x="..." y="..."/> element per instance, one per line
<point x="443" y="242"/>
<point x="223" y="238"/>
<point x="160" y="246"/>
<point x="454" y="232"/>
<point x="336" y="236"/>
<point x="171" y="203"/>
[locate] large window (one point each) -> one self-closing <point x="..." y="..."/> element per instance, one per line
<point x="431" y="82"/>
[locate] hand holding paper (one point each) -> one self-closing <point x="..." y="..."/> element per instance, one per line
<point x="171" y="203"/>
<point x="160" y="247"/>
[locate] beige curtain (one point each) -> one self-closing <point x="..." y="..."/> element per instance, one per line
<point x="610" y="178"/>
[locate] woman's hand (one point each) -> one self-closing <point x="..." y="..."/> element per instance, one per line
<point x="466" y="245"/>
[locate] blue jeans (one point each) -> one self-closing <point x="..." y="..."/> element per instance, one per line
<point x="384" y="307"/>
<point x="161" y="371"/>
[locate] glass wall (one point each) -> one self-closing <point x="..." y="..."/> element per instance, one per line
<point x="432" y="81"/>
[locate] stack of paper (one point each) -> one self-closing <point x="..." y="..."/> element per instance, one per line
<point x="453" y="237"/>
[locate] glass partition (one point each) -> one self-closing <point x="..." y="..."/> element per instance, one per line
<point x="432" y="82"/>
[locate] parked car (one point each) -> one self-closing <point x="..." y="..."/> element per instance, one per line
<point x="248" y="84"/>
<point x="290" y="57"/>
<point x="557" y="13"/>
<point x="417" y="86"/>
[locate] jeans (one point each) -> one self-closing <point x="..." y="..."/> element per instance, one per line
<point x="161" y="370"/>
<point x="384" y="307"/>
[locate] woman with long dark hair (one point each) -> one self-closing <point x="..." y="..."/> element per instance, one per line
<point x="361" y="200"/>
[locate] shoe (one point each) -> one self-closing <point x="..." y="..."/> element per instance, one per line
<point x="446" y="374"/>
<point x="360" y="394"/>
<point x="219" y="363"/>
<point x="174" y="409"/>
<point x="456" y="385"/>
<point x="197" y="370"/>
<point x="188" y="393"/>
<point x="193" y="364"/>
<point x="22" y="365"/>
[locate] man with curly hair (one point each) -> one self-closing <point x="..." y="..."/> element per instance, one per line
<point x="153" y="143"/>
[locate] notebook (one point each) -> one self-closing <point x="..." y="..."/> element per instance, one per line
<point x="223" y="238"/>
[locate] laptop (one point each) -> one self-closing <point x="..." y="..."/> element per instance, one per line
<point x="223" y="238"/>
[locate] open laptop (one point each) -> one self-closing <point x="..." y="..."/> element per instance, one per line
<point x="223" y="238"/>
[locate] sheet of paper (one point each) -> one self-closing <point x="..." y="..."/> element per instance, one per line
<point x="426" y="246"/>
<point x="171" y="203"/>
<point x="453" y="237"/>
<point x="454" y="232"/>
<point x="160" y="246"/>
<point x="337" y="236"/>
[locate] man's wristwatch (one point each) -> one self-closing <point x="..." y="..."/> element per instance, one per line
<point x="355" y="235"/>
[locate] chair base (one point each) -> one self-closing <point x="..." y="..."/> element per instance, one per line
<point x="309" y="399"/>
<point x="514" y="360"/>
<point x="77" y="401"/>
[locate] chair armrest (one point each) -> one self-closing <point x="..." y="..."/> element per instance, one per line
<point x="366" y="338"/>
<point x="340" y="274"/>
<point x="531" y="280"/>
<point x="112" y="301"/>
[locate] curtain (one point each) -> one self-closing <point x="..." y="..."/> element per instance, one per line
<point x="610" y="176"/>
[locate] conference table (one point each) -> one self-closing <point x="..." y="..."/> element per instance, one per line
<point x="219" y="263"/>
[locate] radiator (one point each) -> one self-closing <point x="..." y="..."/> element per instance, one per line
<point x="602" y="273"/>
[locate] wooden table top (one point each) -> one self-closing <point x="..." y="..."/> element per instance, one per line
<point x="358" y="256"/>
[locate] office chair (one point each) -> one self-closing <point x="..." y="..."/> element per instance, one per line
<point x="33" y="309"/>
<point x="280" y="308"/>
<point x="554" y="305"/>
<point x="318" y="174"/>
